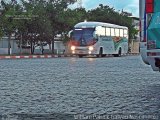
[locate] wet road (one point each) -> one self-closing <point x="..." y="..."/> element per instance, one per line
<point x="79" y="86"/>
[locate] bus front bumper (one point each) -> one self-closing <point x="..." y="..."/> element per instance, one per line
<point x="83" y="52"/>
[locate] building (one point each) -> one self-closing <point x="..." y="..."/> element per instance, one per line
<point x="135" y="23"/>
<point x="136" y="40"/>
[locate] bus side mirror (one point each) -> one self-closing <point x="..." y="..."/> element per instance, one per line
<point x="95" y="35"/>
<point x="70" y="33"/>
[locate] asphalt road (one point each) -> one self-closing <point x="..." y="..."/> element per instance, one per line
<point x="83" y="86"/>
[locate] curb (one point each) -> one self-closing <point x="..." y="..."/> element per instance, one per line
<point x="132" y="54"/>
<point x="29" y="56"/>
<point x="50" y="56"/>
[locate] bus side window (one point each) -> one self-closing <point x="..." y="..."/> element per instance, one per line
<point x="117" y="32"/>
<point x="121" y="32"/>
<point x="103" y="31"/>
<point x="108" y="32"/>
<point x="112" y="32"/>
<point x="100" y="30"/>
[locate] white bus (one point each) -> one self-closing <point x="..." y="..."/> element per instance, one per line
<point x="98" y="38"/>
<point x="150" y="32"/>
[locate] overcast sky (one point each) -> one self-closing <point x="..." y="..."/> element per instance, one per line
<point x="127" y="5"/>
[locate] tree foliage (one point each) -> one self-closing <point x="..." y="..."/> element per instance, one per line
<point x="36" y="22"/>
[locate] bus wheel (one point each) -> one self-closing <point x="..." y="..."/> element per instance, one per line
<point x="100" y="52"/>
<point x="119" y="53"/>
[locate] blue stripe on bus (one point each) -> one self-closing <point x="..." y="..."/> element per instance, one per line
<point x="144" y="37"/>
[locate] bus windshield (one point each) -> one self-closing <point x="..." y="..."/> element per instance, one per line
<point x="83" y="36"/>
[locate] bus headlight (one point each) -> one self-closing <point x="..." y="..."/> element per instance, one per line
<point x="73" y="52"/>
<point x="90" y="48"/>
<point x="73" y="48"/>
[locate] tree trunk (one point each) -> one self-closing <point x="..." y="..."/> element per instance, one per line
<point x="9" y="44"/>
<point x="42" y="50"/>
<point x="21" y="44"/>
<point x="53" y="45"/>
<point x="32" y="48"/>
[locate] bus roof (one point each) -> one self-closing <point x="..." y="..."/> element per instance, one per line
<point x="95" y="24"/>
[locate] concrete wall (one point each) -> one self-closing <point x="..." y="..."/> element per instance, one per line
<point x="134" y="47"/>
<point x="58" y="46"/>
<point x="3" y="50"/>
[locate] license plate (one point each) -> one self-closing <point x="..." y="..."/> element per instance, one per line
<point x="81" y="52"/>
